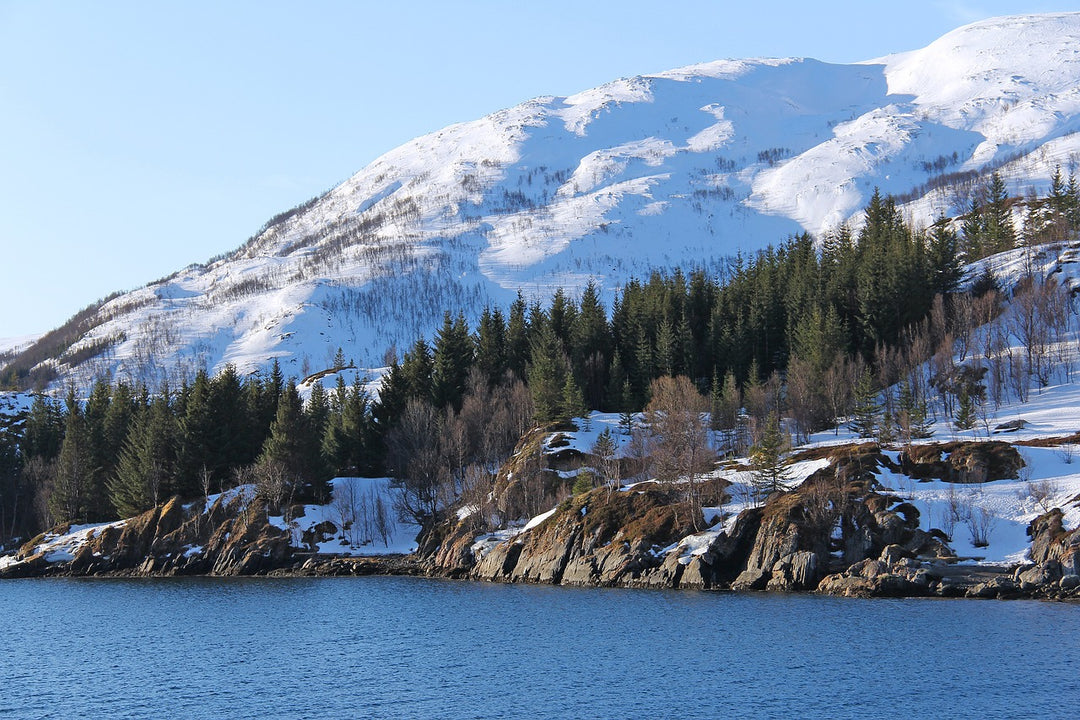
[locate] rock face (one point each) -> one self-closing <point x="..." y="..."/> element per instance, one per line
<point x="836" y="533"/>
<point x="1055" y="554"/>
<point x="231" y="537"/>
<point x="960" y="461"/>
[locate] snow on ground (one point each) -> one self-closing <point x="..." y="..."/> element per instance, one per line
<point x="20" y="342"/>
<point x="355" y="500"/>
<point x="14" y="403"/>
<point x="998" y="511"/>
<point x="365" y="506"/>
<point x="679" y="168"/>
<point x="62" y="547"/>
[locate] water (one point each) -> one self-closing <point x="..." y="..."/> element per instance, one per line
<point x="408" y="647"/>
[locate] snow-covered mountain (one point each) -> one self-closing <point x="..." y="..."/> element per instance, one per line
<point x="685" y="167"/>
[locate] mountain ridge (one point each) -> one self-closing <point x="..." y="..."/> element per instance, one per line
<point x="683" y="167"/>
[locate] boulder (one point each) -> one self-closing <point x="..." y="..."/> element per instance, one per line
<point x="795" y="572"/>
<point x="893" y="553"/>
<point x="1038" y="576"/>
<point x="751" y="579"/>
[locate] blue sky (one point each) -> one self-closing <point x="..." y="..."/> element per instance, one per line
<point x="139" y="137"/>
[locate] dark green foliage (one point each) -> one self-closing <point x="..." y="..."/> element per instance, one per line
<point x="547" y="374"/>
<point x="451" y="362"/>
<point x="146" y="470"/>
<point x="71" y="499"/>
<point x="492" y="358"/>
<point x="294" y="446"/>
<point x="868" y="411"/>
<point x="770" y="472"/>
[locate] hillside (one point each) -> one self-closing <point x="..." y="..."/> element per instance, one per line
<point x="683" y="168"/>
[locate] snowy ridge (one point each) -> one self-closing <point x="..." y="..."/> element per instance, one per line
<point x="684" y="167"/>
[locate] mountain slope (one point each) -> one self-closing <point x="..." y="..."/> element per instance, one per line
<point x="683" y="167"/>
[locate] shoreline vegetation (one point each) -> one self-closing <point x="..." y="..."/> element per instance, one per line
<point x="633" y="537"/>
<point x="821" y="417"/>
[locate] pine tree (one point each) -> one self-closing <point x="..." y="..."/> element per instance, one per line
<point x="573" y="402"/>
<point x="145" y="472"/>
<point x="965" y="409"/>
<point x="665" y="348"/>
<point x="43" y="431"/>
<point x="1000" y="231"/>
<point x="292" y="446"/>
<point x="491" y="347"/>
<point x="943" y="255"/>
<point x="912" y="416"/>
<point x="973" y="228"/>
<point x="547" y="375"/>
<point x="590" y="347"/>
<point x="416" y="370"/>
<point x="517" y="338"/>
<point x="607" y="464"/>
<point x="770" y="473"/>
<point x="867" y="411"/>
<point x="451" y="362"/>
<point x="70" y="500"/>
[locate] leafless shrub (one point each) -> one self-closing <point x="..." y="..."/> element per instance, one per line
<point x="1043" y="493"/>
<point x="980" y="522"/>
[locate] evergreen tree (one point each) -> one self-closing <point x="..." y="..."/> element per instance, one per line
<point x="867" y="411"/>
<point x="943" y="255"/>
<point x="573" y="402"/>
<point x="417" y="368"/>
<point x="145" y="471"/>
<point x="590" y="341"/>
<point x="965" y="409"/>
<point x="70" y="500"/>
<point x="292" y="446"/>
<point x="43" y="432"/>
<point x="1000" y="231"/>
<point x="973" y="228"/>
<point x="770" y="473"/>
<point x="562" y="317"/>
<point x="450" y="366"/>
<point x="517" y="338"/>
<point x="318" y="410"/>
<point x="491" y="346"/>
<point x="547" y="375"/>
<point x="912" y="416"/>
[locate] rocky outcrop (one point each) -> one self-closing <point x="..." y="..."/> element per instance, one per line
<point x="837" y="525"/>
<point x="1055" y="554"/>
<point x="231" y="537"/>
<point x="598" y="538"/>
<point x="962" y="461"/>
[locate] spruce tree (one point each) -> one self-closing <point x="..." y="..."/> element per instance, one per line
<point x="70" y="500"/>
<point x="943" y="255"/>
<point x="867" y="410"/>
<point x="965" y="409"/>
<point x="517" y="338"/>
<point x="491" y="350"/>
<point x="451" y="361"/>
<point x="573" y="402"/>
<point x="547" y="375"/>
<point x="1000" y="231"/>
<point x="292" y="446"/>
<point x="769" y="471"/>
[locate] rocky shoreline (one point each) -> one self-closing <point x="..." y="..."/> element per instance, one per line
<point x="837" y="534"/>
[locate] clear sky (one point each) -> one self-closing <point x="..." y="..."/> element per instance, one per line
<point x="139" y="137"/>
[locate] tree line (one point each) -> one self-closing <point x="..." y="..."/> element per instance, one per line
<point x="810" y="332"/>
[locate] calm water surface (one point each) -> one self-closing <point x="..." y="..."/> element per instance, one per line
<point x="407" y="647"/>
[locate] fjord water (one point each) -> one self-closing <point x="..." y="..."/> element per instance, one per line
<point x="408" y="647"/>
